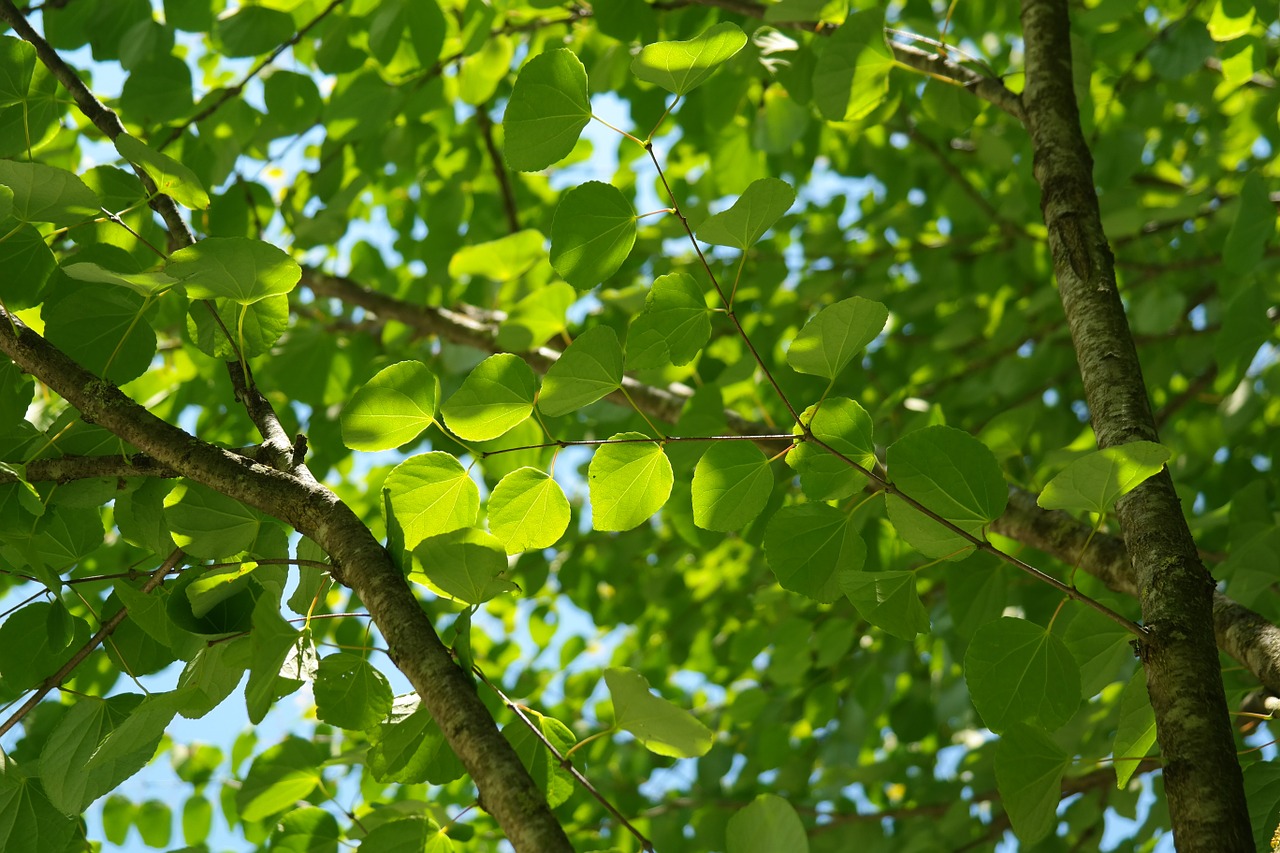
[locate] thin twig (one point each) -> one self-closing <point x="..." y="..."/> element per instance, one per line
<point x="499" y="169"/>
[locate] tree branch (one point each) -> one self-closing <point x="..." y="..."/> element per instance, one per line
<point x="1202" y="776"/>
<point x="359" y="561"/>
<point x="1242" y="633"/>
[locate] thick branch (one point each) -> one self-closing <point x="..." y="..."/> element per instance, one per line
<point x="1202" y="775"/>
<point x="359" y="561"/>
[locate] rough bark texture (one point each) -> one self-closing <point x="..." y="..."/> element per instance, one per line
<point x="359" y="561"/>
<point x="1202" y="776"/>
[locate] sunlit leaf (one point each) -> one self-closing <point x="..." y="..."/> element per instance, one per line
<point x="629" y="481"/>
<point x="829" y="341"/>
<point x="547" y="110"/>
<point x="171" y="177"/>
<point x="590" y="368"/>
<point x="754" y="213"/>
<point x="432" y="494"/>
<point x="465" y="565"/>
<point x="1096" y="481"/>
<point x="852" y="76"/>
<point x="845" y="427"/>
<point x="674" y="327"/>
<point x="236" y="268"/>
<point x="392" y="408"/>
<point x="592" y="234"/>
<point x="731" y="485"/>
<point x="528" y="510"/>
<point x="497" y="395"/>
<point x="659" y="725"/>
<point x="680" y="66"/>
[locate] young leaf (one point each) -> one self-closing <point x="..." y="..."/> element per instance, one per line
<point x="1136" y="731"/>
<point x="547" y="111"/>
<point x="951" y="473"/>
<point x="680" y="66"/>
<point x="392" y="408"/>
<point x="236" y="268"/>
<point x="432" y="494"/>
<point x="628" y="482"/>
<point x="464" y="565"/>
<point x="811" y="547"/>
<point x="767" y="825"/>
<point x="1095" y="482"/>
<point x="48" y="194"/>
<point x="255" y="328"/>
<point x="844" y="426"/>
<point x="536" y="317"/>
<point x="852" y="75"/>
<point x="1029" y="768"/>
<point x="658" y="724"/>
<point x="1019" y="672"/>
<point x="592" y="233"/>
<point x="731" y="485"/>
<point x="495" y="396"/>
<point x="589" y="369"/>
<point x="351" y="693"/>
<point x="887" y="600"/>
<point x="829" y="341"/>
<point x="674" y="327"/>
<point x="528" y="511"/>
<point x="755" y="212"/>
<point x="171" y="177"/>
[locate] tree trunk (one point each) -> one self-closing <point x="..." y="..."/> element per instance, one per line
<point x="1201" y="774"/>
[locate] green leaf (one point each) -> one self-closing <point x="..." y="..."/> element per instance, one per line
<point x="680" y="66"/>
<point x="255" y="328"/>
<point x="279" y="777"/>
<point x="589" y="369"/>
<point x="536" y="317"/>
<point x="104" y="330"/>
<point x="731" y="485"/>
<point x="214" y="586"/>
<point x="17" y="65"/>
<point x="236" y="268"/>
<point x="1100" y="648"/>
<point x="811" y="548"/>
<point x="674" y="327"/>
<point x="887" y="600"/>
<point x="465" y="565"/>
<point x="845" y="427"/>
<point x="1231" y="19"/>
<point x="1136" y="730"/>
<point x="143" y="283"/>
<point x="171" y="177"/>
<point x="504" y="259"/>
<point x="550" y="777"/>
<point x="829" y="341"/>
<point x="951" y="473"/>
<point x="411" y="748"/>
<point x="1096" y="481"/>
<point x="432" y="494"/>
<point x="48" y="194"/>
<point x="497" y="395"/>
<point x="628" y="482"/>
<point x="528" y="511"/>
<point x="208" y="524"/>
<point x="852" y="74"/>
<point x="592" y="233"/>
<point x="755" y="212"/>
<point x="1029" y="768"/>
<point x="252" y="31"/>
<point x="659" y="725"/>
<point x="1253" y="228"/>
<point x="769" y="824"/>
<point x="307" y="829"/>
<point x="547" y="111"/>
<point x="351" y="693"/>
<point x="1019" y="672"/>
<point x="392" y="408"/>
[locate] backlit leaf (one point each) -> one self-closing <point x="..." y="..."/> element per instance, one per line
<point x="208" y="524"/>
<point x="590" y="368"/>
<point x="432" y="494"/>
<point x="731" y="485"/>
<point x="496" y="395"/>
<point x="48" y="194"/>
<point x="528" y="511"/>
<point x="852" y="75"/>
<point x="755" y="212"/>
<point x="392" y="408"/>
<point x="236" y="268"/>
<point x="465" y="565"/>
<point x="501" y="260"/>
<point x="680" y="66"/>
<point x="845" y="427"/>
<point x="674" y="327"/>
<point x="628" y="482"/>
<point x="829" y="341"/>
<point x="1095" y="482"/>
<point x="659" y="725"/>
<point x="171" y="177"/>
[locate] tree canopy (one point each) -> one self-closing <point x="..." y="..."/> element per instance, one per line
<point x="678" y="425"/>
